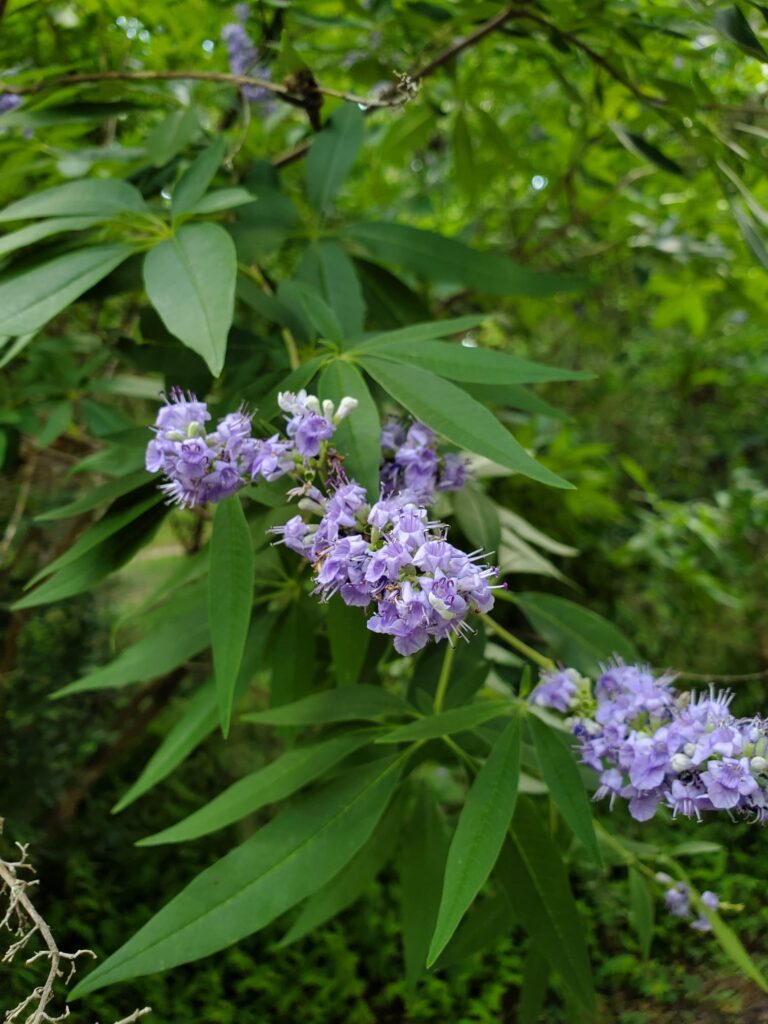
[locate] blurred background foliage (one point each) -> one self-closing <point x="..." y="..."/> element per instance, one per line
<point x="621" y="142"/>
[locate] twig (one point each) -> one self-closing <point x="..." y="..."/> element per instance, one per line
<point x="18" y="511"/>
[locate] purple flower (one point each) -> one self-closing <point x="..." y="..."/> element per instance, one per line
<point x="678" y="900"/>
<point x="243" y="58"/>
<point x="454" y="473"/>
<point x="9" y="101"/>
<point x="556" y="690"/>
<point x="727" y="781"/>
<point x="308" y="431"/>
<point x="272" y="459"/>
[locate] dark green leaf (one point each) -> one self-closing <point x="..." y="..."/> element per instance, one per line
<point x="230" y="595"/>
<point x="43" y="229"/>
<point x="194" y="182"/>
<point x="292" y="656"/>
<point x="190" y="280"/>
<point x="732" y="24"/>
<point x="97" y="496"/>
<point x="332" y="154"/>
<point x="533" y="988"/>
<point x="348" y="637"/>
<point x="421" y="862"/>
<point x="313" y="305"/>
<point x="277" y="780"/>
<point x="537" y="885"/>
<point x="731" y="944"/>
<point x="342" y="705"/>
<point x="479" y="835"/>
<point x="484" y="925"/>
<point x="559" y="770"/>
<point x="359" y="435"/>
<point x="640" y="147"/>
<point x="221" y="199"/>
<point x="349" y="885"/>
<point x="103" y="198"/>
<point x="171" y="135"/>
<point x="447" y="722"/>
<point x="28" y="300"/>
<point x="453" y="413"/>
<point x="447" y="260"/>
<point x="579" y="637"/>
<point x="327" y="267"/>
<point x="478" y="518"/>
<point x="170" y="644"/>
<point x="284" y="862"/>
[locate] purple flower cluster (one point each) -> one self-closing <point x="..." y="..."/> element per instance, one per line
<point x="243" y="59"/>
<point x="203" y="466"/>
<point x="9" y="101"/>
<point x="413" y="468"/>
<point x="678" y="902"/>
<point x="389" y="555"/>
<point x="654" y="746"/>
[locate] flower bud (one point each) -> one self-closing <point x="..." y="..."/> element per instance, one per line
<point x="328" y="408"/>
<point x="346" y="406"/>
<point x="680" y="762"/>
<point x="759" y="764"/>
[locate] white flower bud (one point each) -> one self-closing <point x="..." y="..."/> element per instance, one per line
<point x="689" y="749"/>
<point x="328" y="409"/>
<point x="346" y="406"/>
<point x="680" y="762"/>
<point x="308" y="505"/>
<point x="312" y="402"/>
<point x="759" y="764"/>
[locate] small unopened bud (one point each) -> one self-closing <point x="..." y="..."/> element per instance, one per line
<point x="346" y="406"/>
<point x="308" y="505"/>
<point x="680" y="762"/>
<point x="689" y="749"/>
<point x="759" y="764"/>
<point x="312" y="402"/>
<point x="663" y="877"/>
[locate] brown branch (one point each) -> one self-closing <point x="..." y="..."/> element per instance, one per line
<point x="283" y="91"/>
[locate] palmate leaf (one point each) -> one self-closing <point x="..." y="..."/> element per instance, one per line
<point x="559" y="770"/>
<point x="451" y="412"/>
<point x="277" y="780"/>
<point x="230" y="596"/>
<point x="480" y="834"/>
<point x="190" y="280"/>
<point x="286" y="861"/>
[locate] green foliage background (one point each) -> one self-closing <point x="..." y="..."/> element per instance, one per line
<point x="621" y="144"/>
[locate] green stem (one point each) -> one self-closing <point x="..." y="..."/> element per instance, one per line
<point x="445" y="675"/>
<point x="254" y="272"/>
<point x="518" y="645"/>
<point x="462" y="754"/>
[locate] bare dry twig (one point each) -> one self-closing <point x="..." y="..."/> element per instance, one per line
<point x="23" y="920"/>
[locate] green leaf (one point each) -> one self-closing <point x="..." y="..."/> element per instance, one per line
<point x="230" y="596"/>
<point x="479" y="835"/>
<point x="326" y="266"/>
<point x="332" y="154"/>
<point x="97" y="496"/>
<point x="341" y="705"/>
<point x="641" y="910"/>
<point x="118" y="516"/>
<point x="514" y="396"/>
<point x="421" y="863"/>
<point x="391" y="303"/>
<point x="484" y="925"/>
<point x="470" y="365"/>
<point x="190" y="280"/>
<point x="403" y="337"/>
<point x="463" y="156"/>
<point x="478" y="517"/>
<point x="277" y="780"/>
<point x="221" y="199"/>
<point x="194" y="182"/>
<point x="170" y="644"/>
<point x="102" y="198"/>
<point x="29" y="299"/>
<point x="348" y="637"/>
<point x="199" y="718"/>
<point x="447" y="722"/>
<point x="43" y="229"/>
<point x="359" y="435"/>
<point x="533" y="988"/>
<point x="640" y="147"/>
<point x="91" y="567"/>
<point x="447" y="260"/>
<point x="563" y="780"/>
<point x="731" y="23"/>
<point x="171" y="135"/>
<point x="315" y="308"/>
<point x="349" y="885"/>
<point x="284" y="862"/>
<point x="537" y="885"/>
<point x="451" y="412"/>
<point x="579" y="637"/>
<point x="730" y="943"/>
<point x="295" y="381"/>
<point x="292" y="656"/>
